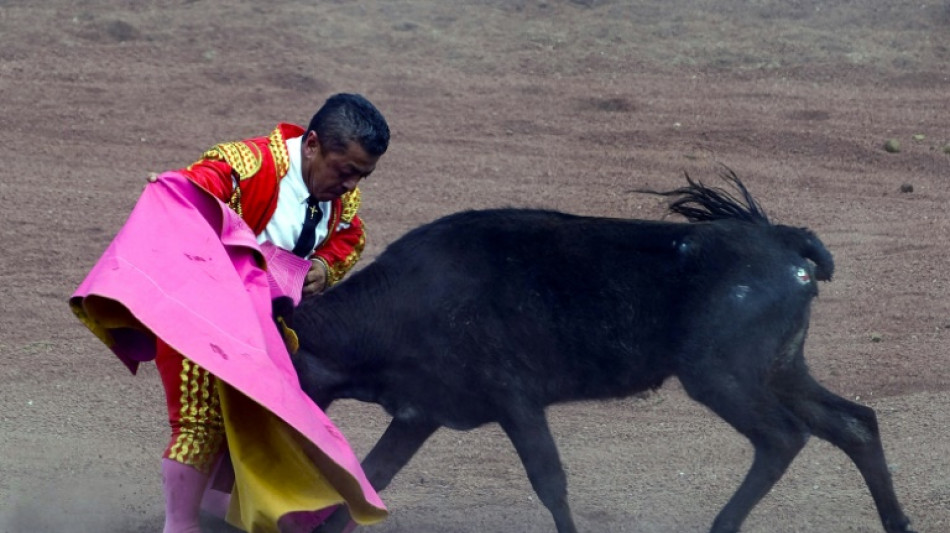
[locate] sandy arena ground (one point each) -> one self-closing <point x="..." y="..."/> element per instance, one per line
<point x="558" y="104"/>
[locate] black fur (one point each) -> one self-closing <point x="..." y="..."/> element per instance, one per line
<point x="490" y="316"/>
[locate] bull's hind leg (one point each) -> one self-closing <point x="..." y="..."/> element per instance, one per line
<point x="389" y="455"/>
<point x="531" y="436"/>
<point x="852" y="428"/>
<point x="775" y="433"/>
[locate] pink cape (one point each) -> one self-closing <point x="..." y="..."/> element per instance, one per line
<point x="188" y="270"/>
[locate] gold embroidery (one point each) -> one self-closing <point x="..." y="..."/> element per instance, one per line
<point x="244" y="158"/>
<point x="350" y="204"/>
<point x="201" y="427"/>
<point x="235" y="201"/>
<point x="278" y="149"/>
<point x="336" y="271"/>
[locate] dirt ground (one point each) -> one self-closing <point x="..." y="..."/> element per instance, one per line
<point x="557" y="104"/>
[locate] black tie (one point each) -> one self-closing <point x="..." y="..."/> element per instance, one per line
<point x="308" y="237"/>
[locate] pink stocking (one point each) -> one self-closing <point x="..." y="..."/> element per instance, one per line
<point x="184" y="486"/>
<point x="217" y="495"/>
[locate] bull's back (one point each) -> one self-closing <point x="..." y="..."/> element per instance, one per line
<point x="493" y="307"/>
<point x="533" y="303"/>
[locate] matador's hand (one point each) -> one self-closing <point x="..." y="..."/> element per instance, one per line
<point x="316" y="280"/>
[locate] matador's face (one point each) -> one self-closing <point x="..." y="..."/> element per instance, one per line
<point x="329" y="174"/>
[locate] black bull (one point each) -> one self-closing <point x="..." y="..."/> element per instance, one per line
<point x="490" y="316"/>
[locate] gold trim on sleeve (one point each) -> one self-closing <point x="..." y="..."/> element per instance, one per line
<point x="336" y="271"/>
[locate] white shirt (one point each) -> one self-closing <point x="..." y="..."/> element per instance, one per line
<point x="284" y="227"/>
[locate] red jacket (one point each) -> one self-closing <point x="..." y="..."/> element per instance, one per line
<point x="258" y="165"/>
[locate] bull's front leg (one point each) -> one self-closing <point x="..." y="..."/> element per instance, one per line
<point x="399" y="443"/>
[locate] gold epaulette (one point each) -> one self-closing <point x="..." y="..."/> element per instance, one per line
<point x="244" y="158"/>
<point x="278" y="148"/>
<point x="349" y="205"/>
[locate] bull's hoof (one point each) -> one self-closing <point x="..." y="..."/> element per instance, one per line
<point x="900" y="526"/>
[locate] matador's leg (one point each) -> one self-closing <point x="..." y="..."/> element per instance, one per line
<point x="197" y="437"/>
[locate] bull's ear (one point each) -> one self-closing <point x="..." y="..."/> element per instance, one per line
<point x="283" y="307"/>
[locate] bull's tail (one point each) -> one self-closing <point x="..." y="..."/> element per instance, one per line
<point x="699" y="203"/>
